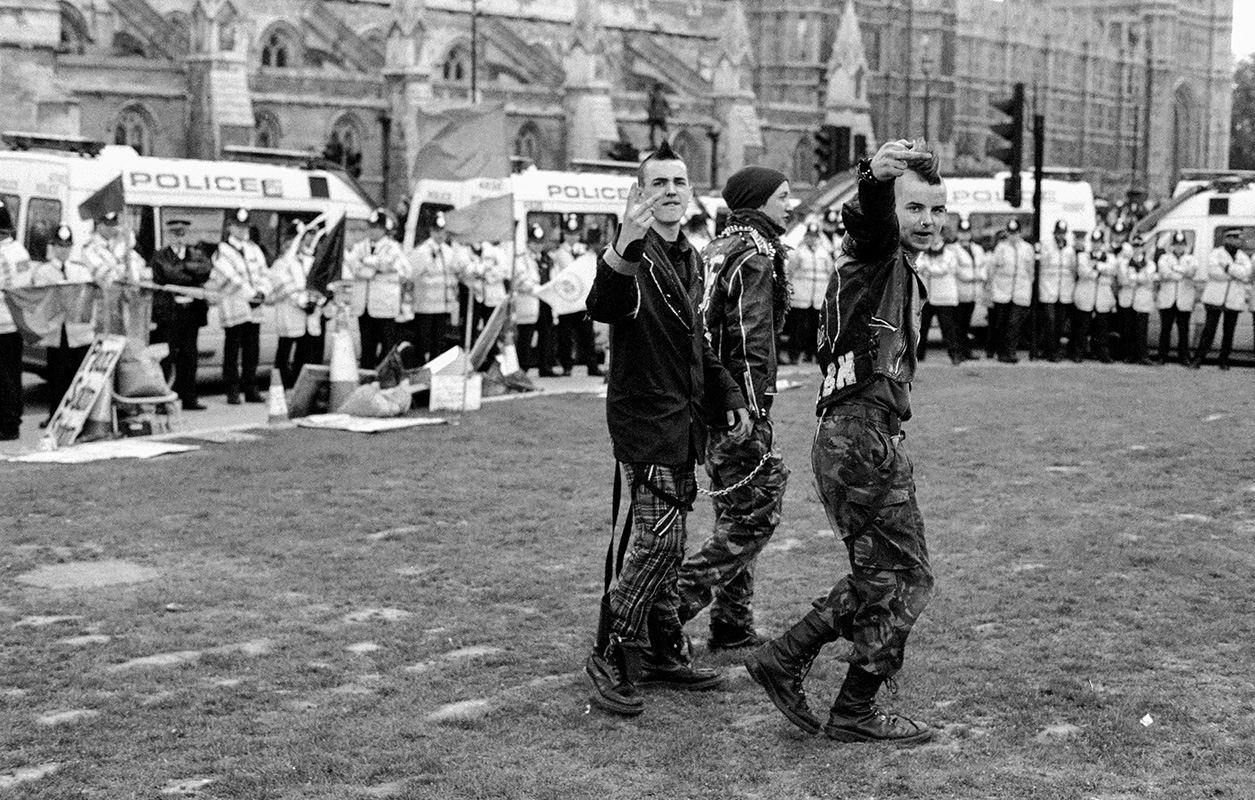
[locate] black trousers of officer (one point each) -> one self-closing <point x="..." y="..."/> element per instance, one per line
<point x="1209" y="333"/>
<point x="1087" y="326"/>
<point x="180" y="334"/>
<point x="378" y="336"/>
<point x="428" y="335"/>
<point x="576" y="342"/>
<point x="963" y="324"/>
<point x="1168" y="319"/>
<point x="10" y="383"/>
<point x="240" y="347"/>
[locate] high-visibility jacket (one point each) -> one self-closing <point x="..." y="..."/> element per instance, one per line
<point x="1228" y="280"/>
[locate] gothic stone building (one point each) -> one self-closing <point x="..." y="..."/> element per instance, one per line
<point x="1137" y="87"/>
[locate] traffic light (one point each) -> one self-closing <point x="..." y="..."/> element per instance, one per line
<point x="826" y="155"/>
<point x="1011" y="154"/>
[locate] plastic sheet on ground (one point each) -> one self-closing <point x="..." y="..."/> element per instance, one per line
<point x="345" y="422"/>
<point x="100" y="451"/>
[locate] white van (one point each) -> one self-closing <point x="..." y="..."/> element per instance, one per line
<point x="566" y="204"/>
<point x="43" y="180"/>
<point x="980" y="201"/>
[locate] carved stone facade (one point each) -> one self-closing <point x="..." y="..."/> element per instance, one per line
<point x="1139" y="85"/>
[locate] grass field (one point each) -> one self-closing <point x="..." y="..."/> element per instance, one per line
<point x="336" y="616"/>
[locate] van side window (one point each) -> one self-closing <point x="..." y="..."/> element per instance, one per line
<point x="12" y="203"/>
<point x="42" y="218"/>
<point x="1248" y="236"/>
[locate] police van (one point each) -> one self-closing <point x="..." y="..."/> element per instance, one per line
<point x="44" y="180"/>
<point x="980" y="201"/>
<point x="571" y="205"/>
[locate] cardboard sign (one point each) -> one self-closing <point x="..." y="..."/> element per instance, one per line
<point x="93" y="380"/>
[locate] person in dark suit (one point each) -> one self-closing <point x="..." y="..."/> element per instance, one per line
<point x="178" y="317"/>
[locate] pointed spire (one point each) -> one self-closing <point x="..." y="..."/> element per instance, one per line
<point x="408" y="14"/>
<point x="734" y="42"/>
<point x="586" y="27"/>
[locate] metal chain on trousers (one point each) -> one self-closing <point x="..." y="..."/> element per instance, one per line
<point x="740" y="483"/>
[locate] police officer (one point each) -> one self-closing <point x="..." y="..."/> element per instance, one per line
<point x="1176" y="271"/>
<point x="179" y="318"/>
<point x="15" y="272"/>
<point x="971" y="273"/>
<point x="68" y="346"/>
<point x="378" y="262"/>
<point x="116" y="267"/>
<point x="535" y="341"/>
<point x="1092" y="299"/>
<point x="1012" y="278"/>
<point x="810" y="265"/>
<point x="435" y="292"/>
<point x="1229" y="273"/>
<point x="298" y="309"/>
<point x="1138" y="275"/>
<point x="240" y="276"/>
<point x="938" y="267"/>
<point x="1056" y="283"/>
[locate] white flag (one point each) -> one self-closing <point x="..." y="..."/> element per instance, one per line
<point x="566" y="293"/>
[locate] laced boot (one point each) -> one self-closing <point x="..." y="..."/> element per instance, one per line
<point x="668" y="662"/>
<point x="780" y="667"/>
<point x="614" y="672"/>
<point x="724" y="636"/>
<point x="856" y="718"/>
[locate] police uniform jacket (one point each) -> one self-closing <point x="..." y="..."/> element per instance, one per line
<point x="1176" y="276"/>
<point x="938" y="272"/>
<point x="78" y="332"/>
<point x="15" y="273"/>
<point x="1095" y="273"/>
<point x="738" y="310"/>
<point x="526" y="279"/>
<point x="239" y="274"/>
<point x="1228" y="279"/>
<point x="869" y="325"/>
<point x="1137" y="278"/>
<point x="486" y="273"/>
<point x="1013" y="273"/>
<point x="380" y="266"/>
<point x="809" y="268"/>
<point x="289" y="275"/>
<point x="665" y="380"/>
<point x="191" y="269"/>
<point x="435" y="278"/>
<point x="1056" y="282"/>
<point x="114" y="260"/>
<point x="969" y="270"/>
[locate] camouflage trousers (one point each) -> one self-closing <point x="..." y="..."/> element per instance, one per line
<point x="722" y="571"/>
<point x="864" y="477"/>
<point x="646" y="590"/>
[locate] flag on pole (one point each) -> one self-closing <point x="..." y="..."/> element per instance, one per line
<point x="460" y="144"/>
<point x="110" y="197"/>
<point x="40" y="311"/>
<point x="567" y="292"/>
<point x="487" y="220"/>
<point x="328" y="265"/>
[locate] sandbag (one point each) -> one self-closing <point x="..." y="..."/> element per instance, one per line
<point x="139" y="373"/>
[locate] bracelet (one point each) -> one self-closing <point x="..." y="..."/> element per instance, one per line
<point x="865" y="172"/>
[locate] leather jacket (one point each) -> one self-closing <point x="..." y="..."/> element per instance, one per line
<point x="869" y="325"/>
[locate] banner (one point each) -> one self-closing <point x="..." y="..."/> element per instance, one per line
<point x="566" y="293"/>
<point x="459" y="144"/>
<point x="110" y="197"/>
<point x="93" y="380"/>
<point x="489" y="220"/>
<point x="328" y="265"/>
<point x="40" y="311"/>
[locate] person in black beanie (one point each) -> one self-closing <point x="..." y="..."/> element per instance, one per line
<point x="747" y="298"/>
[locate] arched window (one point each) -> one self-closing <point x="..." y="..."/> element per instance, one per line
<point x="457" y="65"/>
<point x="527" y="143"/>
<point x="266" y="130"/>
<point x="344" y="145"/>
<point x="804" y="161"/>
<point x="858" y="83"/>
<point x="133" y="127"/>
<point x="74" y="32"/>
<point x="280" y="48"/>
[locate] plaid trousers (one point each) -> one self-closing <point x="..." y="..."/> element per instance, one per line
<point x="646" y="589"/>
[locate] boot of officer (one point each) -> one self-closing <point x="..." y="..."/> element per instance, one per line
<point x="667" y="660"/>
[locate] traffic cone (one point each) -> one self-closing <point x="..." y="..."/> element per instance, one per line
<point x="343" y="371"/>
<point x="277" y="401"/>
<point x="99" y="423"/>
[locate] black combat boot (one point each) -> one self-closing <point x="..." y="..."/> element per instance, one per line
<point x="667" y="662"/>
<point x="780" y="666"/>
<point x="856" y="718"/>
<point x="614" y="672"/>
<point x="724" y="636"/>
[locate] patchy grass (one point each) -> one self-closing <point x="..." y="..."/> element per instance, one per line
<point x="1091" y="530"/>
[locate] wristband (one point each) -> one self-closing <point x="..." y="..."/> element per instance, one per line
<point x="865" y="172"/>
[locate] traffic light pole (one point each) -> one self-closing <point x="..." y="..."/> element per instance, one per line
<point x="1039" y="157"/>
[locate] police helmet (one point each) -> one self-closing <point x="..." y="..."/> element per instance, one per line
<point x="965" y="226"/>
<point x="1179" y="238"/>
<point x="1013" y="226"/>
<point x="1061" y="227"/>
<point x="380" y="218"/>
<point x="240" y="217"/>
<point x="63" y="236"/>
<point x="537" y="233"/>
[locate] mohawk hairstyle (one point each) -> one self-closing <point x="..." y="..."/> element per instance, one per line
<point x="663" y="153"/>
<point x="928" y="171"/>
